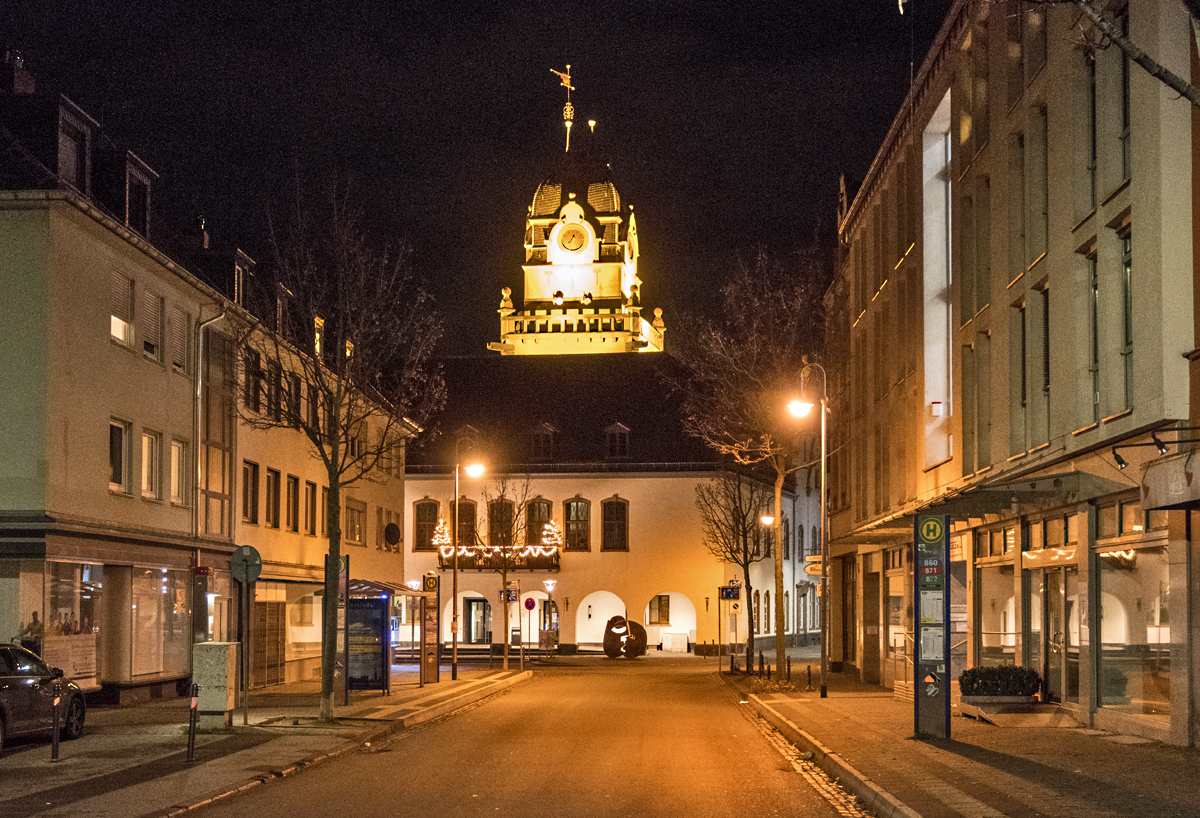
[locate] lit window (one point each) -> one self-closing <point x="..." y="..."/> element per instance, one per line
<point x="354" y="529"/>
<point x="151" y="465"/>
<point x="178" y="471"/>
<point x="121" y="308"/>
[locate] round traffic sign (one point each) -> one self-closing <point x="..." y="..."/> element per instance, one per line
<point x="530" y="604"/>
<point x="246" y="563"/>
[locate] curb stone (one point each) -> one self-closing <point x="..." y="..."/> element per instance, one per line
<point x="370" y="737"/>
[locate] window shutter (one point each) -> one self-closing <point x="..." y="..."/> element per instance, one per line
<point x="179" y="339"/>
<point x="121" y="297"/>
<point x="151" y="322"/>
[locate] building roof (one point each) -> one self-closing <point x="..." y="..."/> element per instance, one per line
<point x="577" y="400"/>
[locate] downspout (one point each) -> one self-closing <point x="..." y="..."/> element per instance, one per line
<point x="196" y="422"/>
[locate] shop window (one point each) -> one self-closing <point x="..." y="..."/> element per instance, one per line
<point x="1135" y="632"/>
<point x="997" y="618"/>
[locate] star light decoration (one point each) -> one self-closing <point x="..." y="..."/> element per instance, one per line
<point x="445" y="545"/>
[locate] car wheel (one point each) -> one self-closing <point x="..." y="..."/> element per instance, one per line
<point x="73" y="720"/>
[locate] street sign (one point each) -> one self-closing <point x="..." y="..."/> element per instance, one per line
<point x="530" y="604"/>
<point x="931" y="598"/>
<point x="246" y="563"/>
<point x="812" y="557"/>
<point x="813" y="569"/>
<point x="727" y="592"/>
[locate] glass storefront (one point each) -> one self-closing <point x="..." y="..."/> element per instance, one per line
<point x="997" y="615"/>
<point x="1135" y="629"/>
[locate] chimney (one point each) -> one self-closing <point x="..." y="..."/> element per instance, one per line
<point x="15" y="79"/>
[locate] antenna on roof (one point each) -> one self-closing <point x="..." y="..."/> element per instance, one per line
<point x="568" y="109"/>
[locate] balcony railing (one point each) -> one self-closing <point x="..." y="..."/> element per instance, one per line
<point x="517" y="561"/>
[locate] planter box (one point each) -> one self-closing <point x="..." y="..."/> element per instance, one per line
<point x="985" y="701"/>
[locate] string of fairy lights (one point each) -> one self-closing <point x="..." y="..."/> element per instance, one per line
<point x="550" y="543"/>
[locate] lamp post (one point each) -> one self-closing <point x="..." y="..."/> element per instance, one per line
<point x="549" y="585"/>
<point x="800" y="408"/>
<point x="473" y="470"/>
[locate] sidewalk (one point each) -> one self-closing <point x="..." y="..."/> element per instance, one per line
<point x="132" y="761"/>
<point x="862" y="736"/>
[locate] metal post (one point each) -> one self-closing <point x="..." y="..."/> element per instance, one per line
<point x="54" y="720"/>
<point x="246" y="652"/>
<point x="454" y="590"/>
<point x="192" y="718"/>
<point x="824" y="554"/>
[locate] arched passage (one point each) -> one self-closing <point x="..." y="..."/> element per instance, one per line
<point x="670" y="619"/>
<point x="593" y="613"/>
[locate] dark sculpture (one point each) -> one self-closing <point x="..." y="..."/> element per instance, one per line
<point x="624" y="638"/>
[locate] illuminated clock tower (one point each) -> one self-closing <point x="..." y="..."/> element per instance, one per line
<point x="582" y="291"/>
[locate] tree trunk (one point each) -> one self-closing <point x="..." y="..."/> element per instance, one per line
<point x="749" y="614"/>
<point x="504" y="596"/>
<point x="333" y="590"/>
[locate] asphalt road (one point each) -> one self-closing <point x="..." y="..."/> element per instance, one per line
<point x="586" y="737"/>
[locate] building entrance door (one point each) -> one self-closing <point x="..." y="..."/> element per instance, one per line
<point x="871" y="604"/>
<point x="1053" y="631"/>
<point x="476" y="630"/>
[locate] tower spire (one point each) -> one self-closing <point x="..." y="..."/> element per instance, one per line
<point x="568" y="109"/>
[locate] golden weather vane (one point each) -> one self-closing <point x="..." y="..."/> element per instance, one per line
<point x="568" y="109"/>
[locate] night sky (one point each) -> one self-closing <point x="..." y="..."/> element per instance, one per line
<point x="726" y="124"/>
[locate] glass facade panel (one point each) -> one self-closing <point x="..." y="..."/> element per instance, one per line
<point x="997" y="616"/>
<point x="1135" y="631"/>
<point x="161" y="622"/>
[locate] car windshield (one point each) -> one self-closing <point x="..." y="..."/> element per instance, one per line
<point x="28" y="664"/>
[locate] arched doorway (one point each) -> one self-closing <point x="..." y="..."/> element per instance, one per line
<point x="670" y="619"/>
<point x="593" y="614"/>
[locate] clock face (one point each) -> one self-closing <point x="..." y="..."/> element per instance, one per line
<point x="572" y="238"/>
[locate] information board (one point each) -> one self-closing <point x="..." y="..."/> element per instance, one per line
<point x="931" y="601"/>
<point x="430" y="630"/>
<point x="369" y="640"/>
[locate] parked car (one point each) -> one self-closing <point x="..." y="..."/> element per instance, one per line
<point x="27" y="686"/>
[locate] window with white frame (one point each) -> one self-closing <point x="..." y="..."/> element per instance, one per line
<point x="577" y="512"/>
<point x="151" y="465"/>
<point x="118" y="456"/>
<point x="179" y="467"/>
<point x="354" y="529"/>
<point x="660" y="610"/>
<point x="249" y="492"/>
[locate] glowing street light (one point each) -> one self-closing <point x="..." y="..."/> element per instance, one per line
<point x="801" y="407"/>
<point x="473" y="469"/>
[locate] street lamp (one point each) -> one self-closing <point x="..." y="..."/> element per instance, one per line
<point x="474" y="469"/>
<point x="800" y="408"/>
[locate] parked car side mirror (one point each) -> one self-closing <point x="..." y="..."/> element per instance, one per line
<point x="56" y="673"/>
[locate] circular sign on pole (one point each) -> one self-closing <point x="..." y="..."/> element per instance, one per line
<point x="246" y="563"/>
<point x="530" y="604"/>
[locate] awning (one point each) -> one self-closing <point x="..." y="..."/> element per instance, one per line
<point x="1170" y="482"/>
<point x="369" y="588"/>
<point x="1023" y="493"/>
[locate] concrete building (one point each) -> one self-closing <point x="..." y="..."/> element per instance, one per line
<point x="1023" y="243"/>
<point x="127" y="478"/>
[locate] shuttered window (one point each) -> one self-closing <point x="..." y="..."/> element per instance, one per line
<point x="150" y="324"/>
<point x="121" y="307"/>
<point x="179" y="340"/>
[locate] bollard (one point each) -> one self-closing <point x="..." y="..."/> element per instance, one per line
<point x="731" y="661"/>
<point x="760" y="664"/>
<point x="54" y="720"/>
<point x="192" y="718"/>
<point x="768" y="671"/>
<point x="789" y="668"/>
<point x="810" y="687"/>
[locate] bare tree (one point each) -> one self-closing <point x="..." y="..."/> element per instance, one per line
<point x="339" y="347"/>
<point x="742" y="368"/>
<point x="508" y="542"/>
<point x="730" y="508"/>
<point x="1100" y="27"/>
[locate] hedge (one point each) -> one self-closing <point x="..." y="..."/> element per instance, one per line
<point x="1005" y="680"/>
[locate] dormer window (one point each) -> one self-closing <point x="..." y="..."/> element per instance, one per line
<point x="73" y="152"/>
<point x="138" y="176"/>
<point x="617" y="442"/>
<point x="541" y="443"/>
